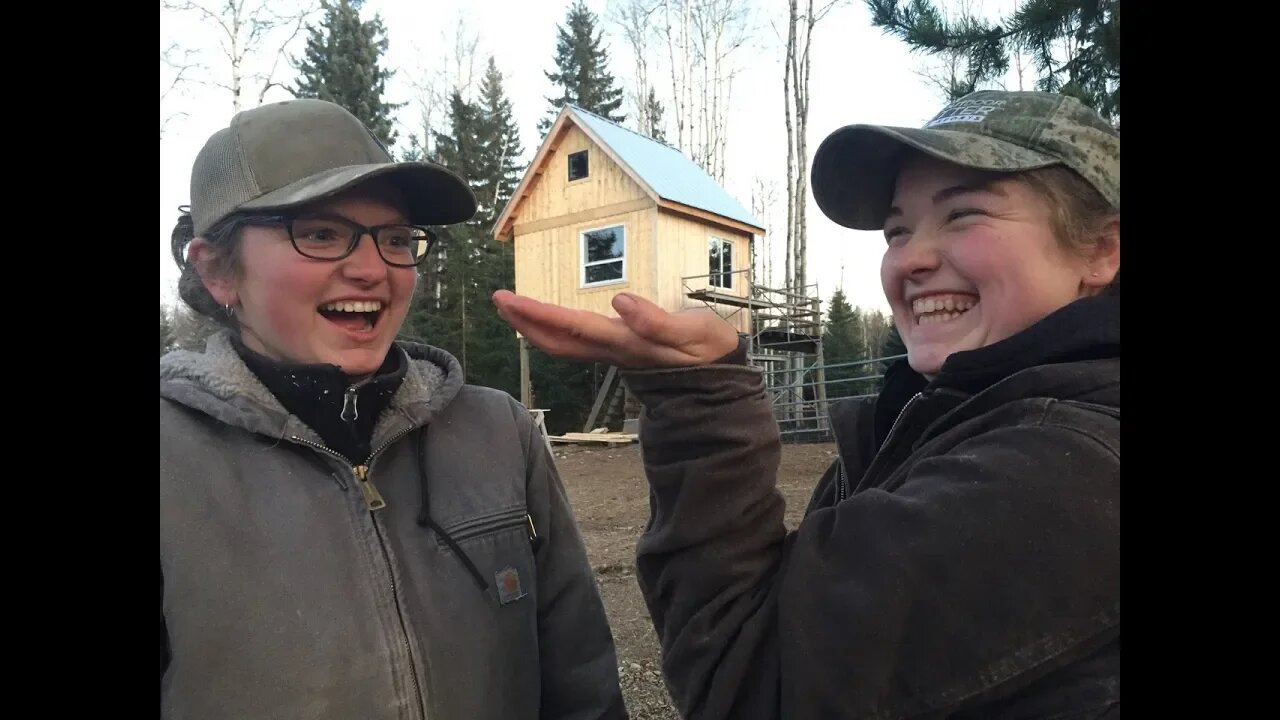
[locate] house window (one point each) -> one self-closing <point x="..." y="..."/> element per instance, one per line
<point x="721" y="262"/>
<point x="603" y="255"/>
<point x="577" y="165"/>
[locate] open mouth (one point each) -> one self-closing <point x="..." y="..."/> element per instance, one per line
<point x="353" y="315"/>
<point x="941" y="308"/>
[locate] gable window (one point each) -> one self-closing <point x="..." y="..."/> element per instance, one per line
<point x="603" y="255"/>
<point x="721" y="262"/>
<point x="578" y="165"/>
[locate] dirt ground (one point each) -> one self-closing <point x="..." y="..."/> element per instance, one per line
<point x="609" y="495"/>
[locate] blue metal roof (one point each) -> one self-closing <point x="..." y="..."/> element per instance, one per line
<point x="665" y="169"/>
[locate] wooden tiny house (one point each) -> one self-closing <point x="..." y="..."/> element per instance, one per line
<point x="603" y="209"/>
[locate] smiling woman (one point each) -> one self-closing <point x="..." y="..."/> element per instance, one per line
<point x="974" y="257"/>
<point x="961" y="556"/>
<point x="452" y="582"/>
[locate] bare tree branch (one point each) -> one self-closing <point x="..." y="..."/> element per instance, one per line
<point x="800" y="26"/>
<point x="465" y="43"/>
<point x="950" y="73"/>
<point x="701" y="36"/>
<point x="634" y="19"/>
<point x="299" y="21"/>
<point x="182" y="66"/>
<point x="243" y="35"/>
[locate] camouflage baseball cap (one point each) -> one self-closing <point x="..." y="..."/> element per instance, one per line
<point x="855" y="167"/>
<point x="288" y="154"/>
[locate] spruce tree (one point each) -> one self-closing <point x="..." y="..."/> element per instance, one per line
<point x="653" y="116"/>
<point x="582" y="69"/>
<point x="499" y="149"/>
<point x="1092" y="27"/>
<point x="342" y="64"/>
<point x="842" y="343"/>
<point x="438" y="313"/>
<point x="453" y="310"/>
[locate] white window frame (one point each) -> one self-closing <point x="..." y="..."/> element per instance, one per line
<point x="734" y="251"/>
<point x="583" y="264"/>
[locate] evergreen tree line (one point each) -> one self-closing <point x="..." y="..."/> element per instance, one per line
<point x="343" y="62"/>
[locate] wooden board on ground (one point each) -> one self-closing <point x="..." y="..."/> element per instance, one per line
<point x="606" y="438"/>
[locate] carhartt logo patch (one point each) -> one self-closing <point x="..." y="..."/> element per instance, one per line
<point x="508" y="582"/>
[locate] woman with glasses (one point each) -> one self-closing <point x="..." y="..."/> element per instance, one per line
<point x="347" y="529"/>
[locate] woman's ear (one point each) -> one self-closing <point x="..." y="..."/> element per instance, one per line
<point x="1104" y="260"/>
<point x="200" y="253"/>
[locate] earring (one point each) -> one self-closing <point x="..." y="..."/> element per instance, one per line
<point x="232" y="313"/>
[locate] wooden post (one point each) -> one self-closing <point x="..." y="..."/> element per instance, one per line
<point x="821" y="375"/>
<point x="525" y="389"/>
<point x="606" y="390"/>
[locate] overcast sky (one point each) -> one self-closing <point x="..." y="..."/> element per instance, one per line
<point x="858" y="75"/>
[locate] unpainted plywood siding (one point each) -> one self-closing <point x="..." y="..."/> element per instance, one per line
<point x="549" y="262"/>
<point x="683" y="251"/>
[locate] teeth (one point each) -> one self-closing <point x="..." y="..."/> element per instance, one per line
<point x="358" y="306"/>
<point x="941" y="308"/>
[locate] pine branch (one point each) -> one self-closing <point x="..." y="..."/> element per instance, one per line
<point x="922" y="26"/>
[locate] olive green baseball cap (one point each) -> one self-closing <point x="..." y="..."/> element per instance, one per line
<point x="855" y="167"/>
<point x="288" y="154"/>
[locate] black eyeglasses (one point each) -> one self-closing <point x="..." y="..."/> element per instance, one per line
<point x="334" y="238"/>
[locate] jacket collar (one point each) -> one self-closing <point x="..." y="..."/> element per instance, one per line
<point x="1065" y="355"/>
<point x="218" y="383"/>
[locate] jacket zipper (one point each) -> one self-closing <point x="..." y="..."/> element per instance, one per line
<point x="413" y="668"/>
<point x="372" y="497"/>
<point x="375" y="502"/>
<point x="844" y="479"/>
<point x="350" y="397"/>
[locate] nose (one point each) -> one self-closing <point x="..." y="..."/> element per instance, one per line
<point x="916" y="258"/>
<point x="364" y="264"/>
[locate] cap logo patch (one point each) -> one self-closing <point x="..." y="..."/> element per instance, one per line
<point x="971" y="110"/>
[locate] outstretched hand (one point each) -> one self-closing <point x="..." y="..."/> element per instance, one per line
<point x="644" y="336"/>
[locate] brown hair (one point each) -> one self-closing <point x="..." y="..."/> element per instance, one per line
<point x="224" y="241"/>
<point x="1079" y="212"/>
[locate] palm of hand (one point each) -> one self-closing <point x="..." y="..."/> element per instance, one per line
<point x="643" y="336"/>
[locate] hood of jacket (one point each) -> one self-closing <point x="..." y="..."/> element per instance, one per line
<point x="218" y="383"/>
<point x="1071" y="354"/>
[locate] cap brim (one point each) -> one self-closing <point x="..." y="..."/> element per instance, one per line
<point x="855" y="167"/>
<point x="435" y="195"/>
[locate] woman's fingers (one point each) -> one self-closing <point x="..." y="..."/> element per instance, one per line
<point x="644" y="335"/>
<point x="560" y="331"/>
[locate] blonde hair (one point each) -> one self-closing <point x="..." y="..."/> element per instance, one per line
<point x="1078" y="211"/>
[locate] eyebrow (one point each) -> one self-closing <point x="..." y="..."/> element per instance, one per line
<point x="330" y="215"/>
<point x="949" y="192"/>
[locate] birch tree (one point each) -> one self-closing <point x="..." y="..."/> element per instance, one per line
<point x="433" y="81"/>
<point x="634" y="19"/>
<point x="252" y="41"/>
<point x="802" y="17"/>
<point x="701" y="37"/>
<point x="180" y="63"/>
<point x="764" y="196"/>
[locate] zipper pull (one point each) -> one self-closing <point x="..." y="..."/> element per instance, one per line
<point x="349" y="410"/>
<point x="371" y="495"/>
<point x="534" y="540"/>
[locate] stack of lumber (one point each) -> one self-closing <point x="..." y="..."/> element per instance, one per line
<point x="596" y="436"/>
